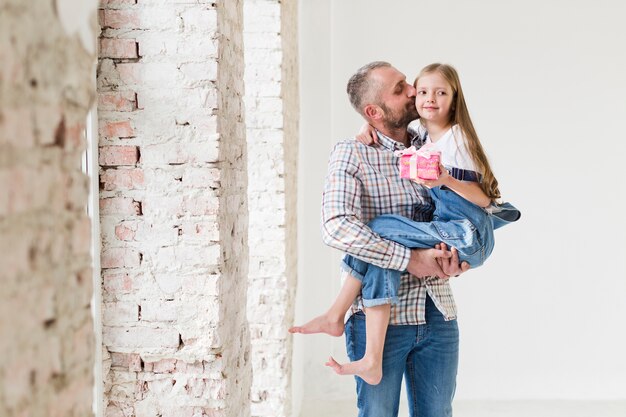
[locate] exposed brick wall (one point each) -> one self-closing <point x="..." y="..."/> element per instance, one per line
<point x="173" y="208"/>
<point x="291" y="130"/>
<point x="47" y="343"/>
<point x="270" y="28"/>
<point x="233" y="216"/>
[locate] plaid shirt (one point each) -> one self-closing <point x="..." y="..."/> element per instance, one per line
<point x="364" y="182"/>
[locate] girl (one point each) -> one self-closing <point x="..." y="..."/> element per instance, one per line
<point x="464" y="218"/>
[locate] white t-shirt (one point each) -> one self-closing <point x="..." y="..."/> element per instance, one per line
<point x="454" y="153"/>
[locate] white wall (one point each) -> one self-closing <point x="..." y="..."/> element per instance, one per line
<point x="546" y="89"/>
<point x="317" y="264"/>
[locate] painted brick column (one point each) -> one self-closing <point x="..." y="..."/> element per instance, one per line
<point x="173" y="203"/>
<point x="46" y="90"/>
<point x="270" y="38"/>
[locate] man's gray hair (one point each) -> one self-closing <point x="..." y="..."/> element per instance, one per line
<point x="361" y="86"/>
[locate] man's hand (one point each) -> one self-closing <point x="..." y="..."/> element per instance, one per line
<point x="451" y="266"/>
<point x="438" y="262"/>
<point x="424" y="263"/>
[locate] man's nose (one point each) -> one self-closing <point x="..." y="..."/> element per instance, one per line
<point x="411" y="91"/>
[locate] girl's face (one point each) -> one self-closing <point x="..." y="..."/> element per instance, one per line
<point x="434" y="98"/>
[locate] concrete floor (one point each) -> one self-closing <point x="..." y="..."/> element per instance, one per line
<point x="531" y="408"/>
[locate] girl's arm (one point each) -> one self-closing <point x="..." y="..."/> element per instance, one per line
<point x="470" y="191"/>
<point x="367" y="135"/>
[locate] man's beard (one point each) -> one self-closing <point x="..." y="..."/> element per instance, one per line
<point x="398" y="120"/>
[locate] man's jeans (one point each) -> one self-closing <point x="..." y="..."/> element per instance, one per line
<point x="427" y="356"/>
<point x="456" y="222"/>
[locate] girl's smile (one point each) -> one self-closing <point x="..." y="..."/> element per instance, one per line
<point x="434" y="98"/>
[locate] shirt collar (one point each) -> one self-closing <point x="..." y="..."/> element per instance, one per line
<point x="393" y="145"/>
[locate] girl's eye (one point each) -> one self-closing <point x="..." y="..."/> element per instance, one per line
<point x="441" y="93"/>
<point x="421" y="92"/>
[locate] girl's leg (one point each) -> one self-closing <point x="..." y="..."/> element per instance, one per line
<point x="331" y="322"/>
<point x="379" y="290"/>
<point x="370" y="366"/>
<point x="460" y="234"/>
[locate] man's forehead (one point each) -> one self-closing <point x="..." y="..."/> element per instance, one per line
<point x="388" y="75"/>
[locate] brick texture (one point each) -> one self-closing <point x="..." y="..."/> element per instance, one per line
<point x="47" y="344"/>
<point x="271" y="117"/>
<point x="174" y="215"/>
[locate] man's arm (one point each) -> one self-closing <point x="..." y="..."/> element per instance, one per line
<point x="342" y="227"/>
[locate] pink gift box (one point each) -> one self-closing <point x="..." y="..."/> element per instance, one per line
<point x="428" y="165"/>
<point x="423" y="164"/>
<point x="408" y="166"/>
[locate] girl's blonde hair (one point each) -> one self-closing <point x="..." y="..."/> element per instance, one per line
<point x="460" y="115"/>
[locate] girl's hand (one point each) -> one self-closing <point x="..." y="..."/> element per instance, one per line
<point x="444" y="177"/>
<point x="367" y="135"/>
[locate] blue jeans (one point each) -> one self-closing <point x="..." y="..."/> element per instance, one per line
<point x="456" y="222"/>
<point x="426" y="355"/>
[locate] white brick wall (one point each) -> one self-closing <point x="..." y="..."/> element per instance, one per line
<point x="271" y="117"/>
<point x="174" y="208"/>
<point x="47" y="343"/>
<point x="174" y="203"/>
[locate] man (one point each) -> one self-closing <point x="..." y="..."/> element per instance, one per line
<point x="362" y="183"/>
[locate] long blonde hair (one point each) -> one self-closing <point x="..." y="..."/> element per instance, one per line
<point x="460" y="115"/>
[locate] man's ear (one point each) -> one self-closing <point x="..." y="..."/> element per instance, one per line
<point x="373" y="112"/>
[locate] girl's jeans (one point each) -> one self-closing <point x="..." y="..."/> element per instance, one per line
<point x="456" y="222"/>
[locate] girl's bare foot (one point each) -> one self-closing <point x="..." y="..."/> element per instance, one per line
<point x="367" y="370"/>
<point x="320" y="324"/>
